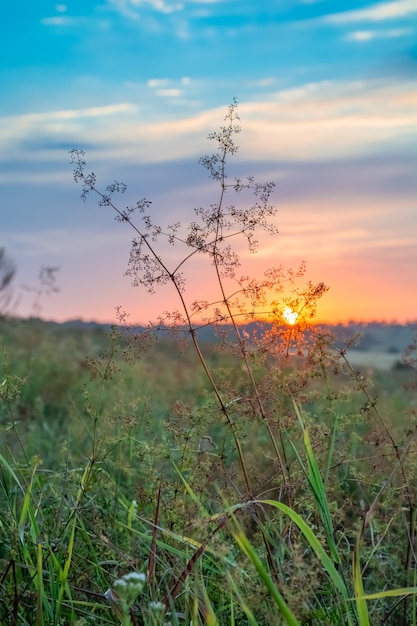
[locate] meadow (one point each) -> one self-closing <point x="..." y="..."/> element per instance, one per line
<point x="160" y="476"/>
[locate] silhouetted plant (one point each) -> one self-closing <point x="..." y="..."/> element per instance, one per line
<point x="7" y="274"/>
<point x="46" y="286"/>
<point x="212" y="235"/>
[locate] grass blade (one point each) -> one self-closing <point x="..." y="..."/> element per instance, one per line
<point x="317" y="548"/>
<point x="361" y="605"/>
<point x="251" y="553"/>
<point x="316" y="483"/>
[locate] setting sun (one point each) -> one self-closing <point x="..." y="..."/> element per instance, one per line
<point x="290" y="316"/>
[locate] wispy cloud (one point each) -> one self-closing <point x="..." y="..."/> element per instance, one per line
<point x="76" y="23"/>
<point x="374" y="13"/>
<point x="369" y="35"/>
<point x="42" y="129"/>
<point x="269" y="81"/>
<point x="168" y="88"/>
<point x="356" y="225"/>
<point x="157" y="83"/>
<point x="331" y="120"/>
<point x="132" y="8"/>
<point x="59" y="20"/>
<point x="60" y="242"/>
<point x="169" y="93"/>
<point x="160" y="5"/>
<point x="71" y="114"/>
<point x="314" y="122"/>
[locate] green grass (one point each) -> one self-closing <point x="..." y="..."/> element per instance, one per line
<point x="121" y="483"/>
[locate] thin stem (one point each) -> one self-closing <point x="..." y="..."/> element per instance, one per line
<point x="231" y="316"/>
<point x="372" y="404"/>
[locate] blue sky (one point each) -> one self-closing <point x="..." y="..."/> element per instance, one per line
<point x="328" y="105"/>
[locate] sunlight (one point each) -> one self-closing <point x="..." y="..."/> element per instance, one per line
<point x="290" y="316"/>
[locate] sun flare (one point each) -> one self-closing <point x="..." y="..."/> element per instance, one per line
<point x="290" y="316"/>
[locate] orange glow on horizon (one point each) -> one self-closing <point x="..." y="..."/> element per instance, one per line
<point x="361" y="290"/>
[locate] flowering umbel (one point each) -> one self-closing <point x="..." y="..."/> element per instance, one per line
<point x="124" y="593"/>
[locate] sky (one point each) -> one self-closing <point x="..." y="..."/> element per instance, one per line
<point x="327" y="94"/>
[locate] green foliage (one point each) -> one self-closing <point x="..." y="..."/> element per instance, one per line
<point x="152" y="476"/>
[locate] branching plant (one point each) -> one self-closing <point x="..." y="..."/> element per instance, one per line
<point x="215" y="234"/>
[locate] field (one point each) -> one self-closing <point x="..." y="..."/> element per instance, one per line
<point x="372" y="360"/>
<point x="115" y="458"/>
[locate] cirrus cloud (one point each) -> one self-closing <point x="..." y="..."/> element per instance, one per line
<point x="374" y="13"/>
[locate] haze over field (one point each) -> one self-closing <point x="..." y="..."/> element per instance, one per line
<point x="327" y="101"/>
